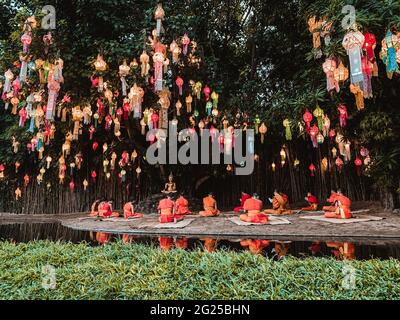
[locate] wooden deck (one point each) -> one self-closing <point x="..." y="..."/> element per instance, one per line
<point x="222" y="227"/>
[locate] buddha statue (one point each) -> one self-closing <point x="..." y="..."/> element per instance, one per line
<point x="170" y="186"/>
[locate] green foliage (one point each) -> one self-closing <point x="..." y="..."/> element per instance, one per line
<point x="257" y="54"/>
<point x="118" y="271"/>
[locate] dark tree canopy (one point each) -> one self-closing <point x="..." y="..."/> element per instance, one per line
<point x="257" y="54"/>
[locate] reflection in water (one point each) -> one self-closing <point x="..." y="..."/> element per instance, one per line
<point x="282" y="249"/>
<point x="255" y="246"/>
<point x="265" y="247"/>
<point x="210" y="244"/>
<point x="343" y="250"/>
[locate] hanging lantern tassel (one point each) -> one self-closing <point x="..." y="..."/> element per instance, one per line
<point x="359" y="96"/>
<point x="313" y="135"/>
<point x="215" y="98"/>
<point x="124" y="70"/>
<point x="263" y="130"/>
<point x="319" y="114"/>
<point x="388" y="53"/>
<point x="54" y="88"/>
<point x="185" y="42"/>
<point x="145" y="66"/>
<point x="22" y="117"/>
<point x="158" y="59"/>
<point x="138" y="172"/>
<point x="288" y="132"/>
<point x="24" y="68"/>
<point x="189" y="101"/>
<point x="353" y="42"/>
<point x="179" y="83"/>
<point x="18" y="194"/>
<point x="329" y="68"/>
<point x="343" y="115"/>
<point x="339" y="163"/>
<point x="307" y="117"/>
<point x="159" y="15"/>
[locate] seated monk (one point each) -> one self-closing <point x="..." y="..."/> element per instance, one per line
<point x="166" y="210"/>
<point x="210" y="206"/>
<point x="331" y="200"/>
<point x="243" y="199"/>
<point x="253" y="206"/>
<point x="129" y="211"/>
<point x="94" y="212"/>
<point x="342" y="211"/>
<point x="182" y="206"/>
<point x="312" y="202"/>
<point x="280" y="204"/>
<point x="255" y="246"/>
<point x="105" y="210"/>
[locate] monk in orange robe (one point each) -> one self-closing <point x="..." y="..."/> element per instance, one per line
<point x="343" y="250"/>
<point x="253" y="207"/>
<point x="243" y="199"/>
<point x="166" y="210"/>
<point x="280" y="204"/>
<point x="312" y="203"/>
<point x="94" y="212"/>
<point x="182" y="206"/>
<point x="343" y="210"/>
<point x="331" y="200"/>
<point x="255" y="246"/>
<point x="210" y="207"/>
<point x="129" y="211"/>
<point x="105" y="210"/>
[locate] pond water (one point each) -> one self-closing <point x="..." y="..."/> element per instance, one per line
<point x="361" y="250"/>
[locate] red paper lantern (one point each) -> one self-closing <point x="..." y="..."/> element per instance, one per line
<point x="369" y="45"/>
<point x="339" y="163"/>
<point x="72" y="185"/>
<point x="312" y="169"/>
<point x="94" y="175"/>
<point x="207" y="92"/>
<point x="313" y="134"/>
<point x="26" y="180"/>
<point x="332" y="134"/>
<point x="307" y="117"/>
<point x="95" y="146"/>
<point x="179" y="83"/>
<point x="358" y="162"/>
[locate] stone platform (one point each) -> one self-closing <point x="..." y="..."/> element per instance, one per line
<point x="221" y="227"/>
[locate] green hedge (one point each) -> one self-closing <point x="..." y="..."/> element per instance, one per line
<point x="118" y="271"/>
